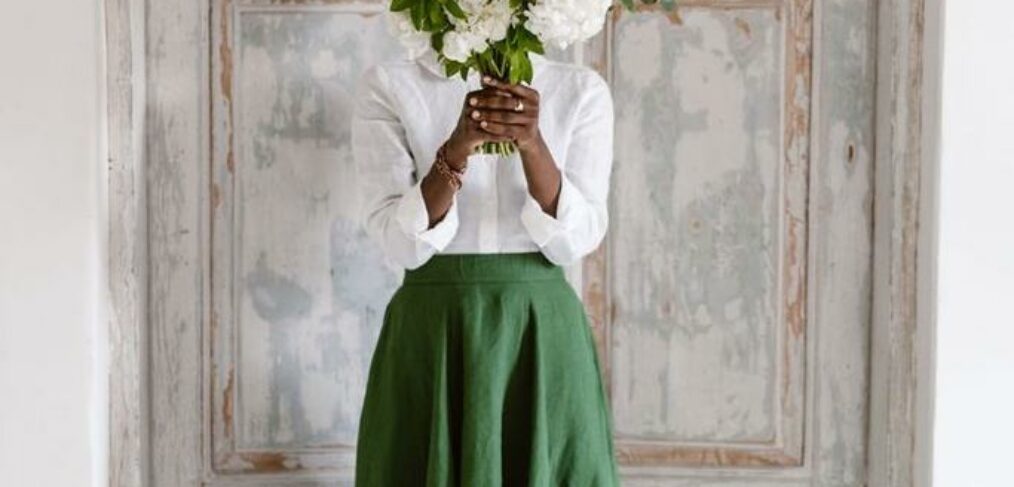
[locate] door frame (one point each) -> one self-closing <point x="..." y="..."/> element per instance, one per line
<point x="123" y="27"/>
<point x="906" y="197"/>
<point x="900" y="432"/>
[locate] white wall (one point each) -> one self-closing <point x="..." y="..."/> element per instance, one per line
<point x="52" y="326"/>
<point x="975" y="341"/>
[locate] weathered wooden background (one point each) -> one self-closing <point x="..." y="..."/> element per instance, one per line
<point x="731" y="299"/>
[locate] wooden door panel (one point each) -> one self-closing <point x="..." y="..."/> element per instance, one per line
<point x="706" y="258"/>
<point x="695" y="250"/>
<point x="726" y="299"/>
<point x="298" y="292"/>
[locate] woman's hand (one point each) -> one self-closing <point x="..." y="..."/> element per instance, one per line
<point x="513" y="115"/>
<point x="498" y="112"/>
<point x="468" y="135"/>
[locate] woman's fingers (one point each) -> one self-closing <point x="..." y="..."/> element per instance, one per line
<point x="497" y="100"/>
<point x="473" y="98"/>
<point x="518" y="90"/>
<point x="502" y="130"/>
<point x="491" y="112"/>
<point x="499" y="116"/>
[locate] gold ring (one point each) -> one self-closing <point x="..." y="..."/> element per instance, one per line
<point x="520" y="106"/>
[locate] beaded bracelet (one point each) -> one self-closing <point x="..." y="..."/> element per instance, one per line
<point x="453" y="175"/>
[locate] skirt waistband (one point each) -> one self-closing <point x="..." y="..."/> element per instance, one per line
<point x="509" y="267"/>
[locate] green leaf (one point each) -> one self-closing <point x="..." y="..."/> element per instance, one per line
<point x="629" y="4"/>
<point x="417" y="15"/>
<point x="451" y="68"/>
<point x="436" y="13"/>
<point x="437" y="41"/>
<point x="530" y="42"/>
<point x="521" y="67"/>
<point x="528" y="72"/>
<point x="455" y="9"/>
<point x="486" y="63"/>
<point x="500" y="49"/>
<point x="668" y="5"/>
<point x="399" y="5"/>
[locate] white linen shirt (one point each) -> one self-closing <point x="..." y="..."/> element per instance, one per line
<point x="406" y="109"/>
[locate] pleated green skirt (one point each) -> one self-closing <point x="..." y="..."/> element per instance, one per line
<point x="485" y="374"/>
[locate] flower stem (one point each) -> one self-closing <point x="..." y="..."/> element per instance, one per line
<point x="499" y="148"/>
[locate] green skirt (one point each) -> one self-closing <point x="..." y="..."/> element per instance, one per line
<point x="485" y="374"/>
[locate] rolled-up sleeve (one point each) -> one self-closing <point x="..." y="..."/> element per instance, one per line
<point x="392" y="209"/>
<point x="582" y="215"/>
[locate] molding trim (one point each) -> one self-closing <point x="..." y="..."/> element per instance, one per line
<point x="904" y="322"/>
<point x="127" y="286"/>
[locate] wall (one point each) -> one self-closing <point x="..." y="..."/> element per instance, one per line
<point x="975" y="339"/>
<point x="52" y="333"/>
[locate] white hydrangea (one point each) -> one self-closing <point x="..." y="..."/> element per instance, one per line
<point x="415" y="42"/>
<point x="558" y="22"/>
<point x="486" y="21"/>
<point x="459" y="45"/>
<point x="564" y="22"/>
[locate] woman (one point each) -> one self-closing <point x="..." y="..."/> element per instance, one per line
<point x="485" y="371"/>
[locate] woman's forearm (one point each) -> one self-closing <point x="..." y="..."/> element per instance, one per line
<point x="438" y="193"/>
<point x="541" y="173"/>
<point x="437" y="188"/>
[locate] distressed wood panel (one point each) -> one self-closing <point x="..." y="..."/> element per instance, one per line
<point x="176" y="149"/>
<point x="707" y="257"/>
<point x="837" y="228"/>
<point x="904" y="320"/>
<point x="841" y="241"/>
<point x="128" y="267"/>
<point x="696" y="250"/>
<point x="298" y="292"/>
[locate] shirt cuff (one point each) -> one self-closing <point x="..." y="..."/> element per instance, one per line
<point x="542" y="226"/>
<point x="414" y="220"/>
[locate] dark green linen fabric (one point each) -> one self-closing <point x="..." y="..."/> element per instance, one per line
<point x="485" y="374"/>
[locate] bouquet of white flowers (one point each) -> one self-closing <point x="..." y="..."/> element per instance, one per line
<point x="494" y="37"/>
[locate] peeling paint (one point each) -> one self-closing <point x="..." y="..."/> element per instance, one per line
<point x="228" y="401"/>
<point x="300" y="288"/>
<point x="706" y="297"/>
<point x="697" y="185"/>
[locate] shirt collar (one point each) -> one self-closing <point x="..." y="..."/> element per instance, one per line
<point x="429" y="60"/>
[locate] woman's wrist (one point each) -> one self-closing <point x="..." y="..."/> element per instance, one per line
<point x="457" y="153"/>
<point x="531" y="145"/>
<point x="446" y="169"/>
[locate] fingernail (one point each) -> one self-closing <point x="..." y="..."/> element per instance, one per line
<point x="475" y="114"/>
<point x="487" y="79"/>
<point x="473" y="101"/>
<point x="482" y="124"/>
